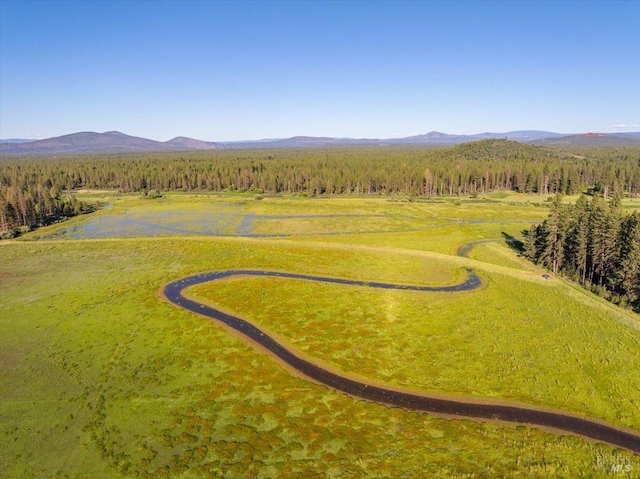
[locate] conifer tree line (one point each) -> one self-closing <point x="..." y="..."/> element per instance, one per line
<point x="36" y="191"/>
<point x="468" y="169"/>
<point x="24" y="209"/>
<point x="594" y="243"/>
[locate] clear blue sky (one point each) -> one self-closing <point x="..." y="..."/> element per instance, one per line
<point x="249" y="70"/>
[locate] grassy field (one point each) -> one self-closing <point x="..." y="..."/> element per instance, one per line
<point x="101" y="377"/>
<point x="514" y="339"/>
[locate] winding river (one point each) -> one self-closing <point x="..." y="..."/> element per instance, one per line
<point x="486" y="410"/>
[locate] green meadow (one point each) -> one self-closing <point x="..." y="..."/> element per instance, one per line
<point x="101" y="377"/>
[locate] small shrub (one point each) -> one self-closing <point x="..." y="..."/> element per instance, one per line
<point x="153" y="194"/>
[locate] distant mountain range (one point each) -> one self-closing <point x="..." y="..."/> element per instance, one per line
<point x="90" y="142"/>
<point x="434" y="138"/>
<point x="593" y="139"/>
<point x="116" y="142"/>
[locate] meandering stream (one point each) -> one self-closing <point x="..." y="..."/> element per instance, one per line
<point x="452" y="406"/>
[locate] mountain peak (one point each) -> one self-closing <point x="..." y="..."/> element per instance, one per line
<point x="185" y="143"/>
<point x="436" y="135"/>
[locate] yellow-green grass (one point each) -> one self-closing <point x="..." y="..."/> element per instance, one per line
<point x="501" y="254"/>
<point x="442" y="226"/>
<point x="514" y="339"/>
<point x="446" y="239"/>
<point x="101" y="377"/>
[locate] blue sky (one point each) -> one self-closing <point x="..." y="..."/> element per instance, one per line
<point x="249" y="70"/>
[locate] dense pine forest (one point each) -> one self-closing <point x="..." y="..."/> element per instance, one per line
<point x="594" y="243"/>
<point x="465" y="169"/>
<point x="30" y="187"/>
<point x="24" y="208"/>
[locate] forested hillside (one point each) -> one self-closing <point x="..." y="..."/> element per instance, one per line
<point x="507" y="165"/>
<point x="594" y="243"/>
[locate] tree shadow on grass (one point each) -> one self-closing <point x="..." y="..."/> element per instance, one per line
<point x="514" y="243"/>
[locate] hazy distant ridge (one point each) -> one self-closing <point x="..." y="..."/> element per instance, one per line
<point x="116" y="142"/>
<point x="593" y="139"/>
<point x="16" y="140"/>
<point x="109" y="142"/>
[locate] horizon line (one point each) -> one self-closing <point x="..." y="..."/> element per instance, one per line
<point x="394" y="137"/>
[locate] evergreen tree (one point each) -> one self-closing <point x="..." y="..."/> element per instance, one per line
<point x="629" y="271"/>
<point x="593" y="242"/>
<point x="577" y="251"/>
<point x="555" y="228"/>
